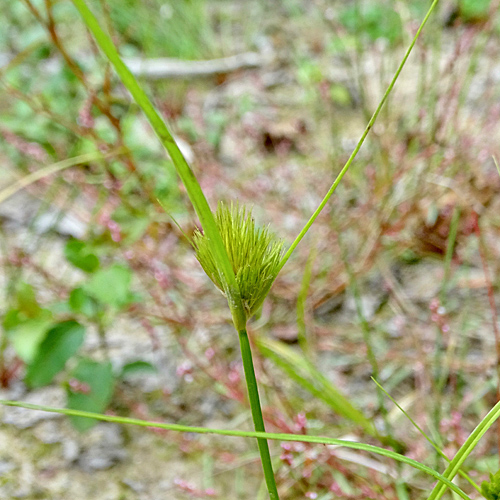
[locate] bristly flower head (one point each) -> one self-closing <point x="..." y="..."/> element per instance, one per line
<point x="254" y="253"/>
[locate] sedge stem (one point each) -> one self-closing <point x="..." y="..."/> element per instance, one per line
<point x="360" y="142"/>
<point x="258" y="421"/>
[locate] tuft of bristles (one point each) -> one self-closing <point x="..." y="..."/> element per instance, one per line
<point x="254" y="253"/>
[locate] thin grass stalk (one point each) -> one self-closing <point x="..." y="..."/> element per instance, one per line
<point x="43" y="172"/>
<point x="428" y="439"/>
<point x="305" y="373"/>
<point x="300" y="438"/>
<point x="440" y="357"/>
<point x="493" y="307"/>
<point x="254" y="254"/>
<point x="304" y="342"/>
<point x="367" y="338"/>
<point x="496" y="164"/>
<point x="464" y="451"/>
<point x="360" y="142"/>
<point x="450" y="247"/>
<point x="433" y="92"/>
<point x="258" y="420"/>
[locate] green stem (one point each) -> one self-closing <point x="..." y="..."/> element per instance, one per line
<point x="187" y="176"/>
<point x="301" y="438"/>
<point x="43" y="172"/>
<point x="258" y="421"/>
<point x="360" y="142"/>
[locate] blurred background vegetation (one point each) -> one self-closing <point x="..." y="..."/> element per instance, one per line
<point x="104" y="307"/>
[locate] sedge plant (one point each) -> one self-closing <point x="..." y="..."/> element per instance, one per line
<point x="254" y="254"/>
<point x="242" y="259"/>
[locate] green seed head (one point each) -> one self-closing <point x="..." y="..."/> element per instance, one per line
<point x="254" y="253"/>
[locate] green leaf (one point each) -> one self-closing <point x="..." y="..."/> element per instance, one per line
<point x="340" y="95"/>
<point x="26" y="324"/>
<point x="373" y="19"/>
<point x="61" y="342"/>
<point x="111" y="286"/>
<point x="81" y="302"/>
<point x="137" y="367"/>
<point x="358" y="146"/>
<point x="78" y="253"/>
<point x="97" y="383"/>
<point x="26" y="300"/>
<point x="132" y="224"/>
<point x="472" y="9"/>
<point x="26" y="334"/>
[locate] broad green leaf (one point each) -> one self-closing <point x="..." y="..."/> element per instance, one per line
<point x="111" y="286"/>
<point x="340" y="95"/>
<point x="60" y="343"/>
<point x="97" y="382"/>
<point x="26" y="324"/>
<point x="26" y="334"/>
<point x="78" y="253"/>
<point x="80" y="302"/>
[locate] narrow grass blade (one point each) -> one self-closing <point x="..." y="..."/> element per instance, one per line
<point x="248" y="434"/>
<point x="187" y="176"/>
<point x="496" y="165"/>
<point x="465" y="450"/>
<point x="428" y="439"/>
<point x="310" y="378"/>
<point x="301" y="304"/>
<point x="26" y="181"/>
<point x="452" y="238"/>
<point x="360" y="142"/>
<point x="20" y="57"/>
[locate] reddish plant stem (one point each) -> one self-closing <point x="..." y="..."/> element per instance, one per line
<point x="35" y="12"/>
<point x="103" y="106"/>
<point x="9" y="372"/>
<point x="50" y="25"/>
<point x="493" y="308"/>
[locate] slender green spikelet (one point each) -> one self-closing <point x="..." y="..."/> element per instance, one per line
<point x="254" y="253"/>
